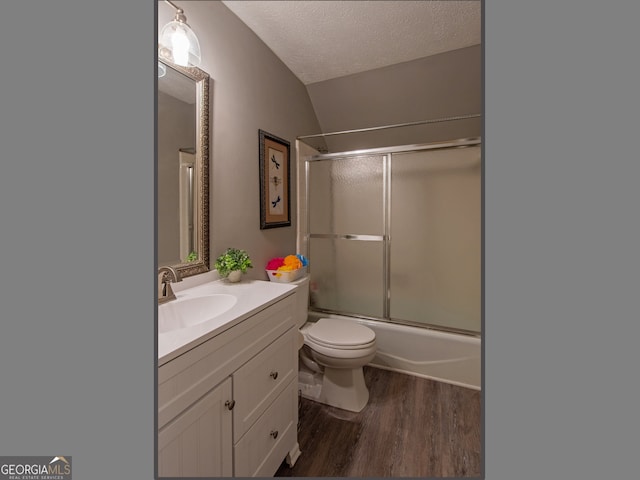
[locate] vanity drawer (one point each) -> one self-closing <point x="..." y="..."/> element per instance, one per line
<point x="185" y="379"/>
<point x="260" y="452"/>
<point x="257" y="383"/>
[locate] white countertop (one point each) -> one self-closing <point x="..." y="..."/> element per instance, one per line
<point x="252" y="295"/>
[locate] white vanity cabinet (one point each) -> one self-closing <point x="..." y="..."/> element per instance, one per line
<point x="196" y="443"/>
<point x="229" y="406"/>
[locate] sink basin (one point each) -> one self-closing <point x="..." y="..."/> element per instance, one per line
<point x="190" y="311"/>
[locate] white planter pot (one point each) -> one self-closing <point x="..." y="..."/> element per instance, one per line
<point x="234" y="276"/>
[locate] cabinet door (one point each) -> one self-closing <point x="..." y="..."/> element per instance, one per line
<point x="198" y="443"/>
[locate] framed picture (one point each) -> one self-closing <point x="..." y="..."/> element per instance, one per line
<point x="274" y="181"/>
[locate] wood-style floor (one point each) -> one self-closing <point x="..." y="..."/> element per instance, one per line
<point x="411" y="427"/>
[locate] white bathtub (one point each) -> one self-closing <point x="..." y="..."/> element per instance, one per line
<point x="445" y="357"/>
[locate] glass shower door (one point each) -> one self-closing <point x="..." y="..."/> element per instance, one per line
<point x="346" y="234"/>
<point x="435" y="238"/>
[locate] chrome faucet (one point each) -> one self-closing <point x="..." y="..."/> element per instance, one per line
<point x="166" y="275"/>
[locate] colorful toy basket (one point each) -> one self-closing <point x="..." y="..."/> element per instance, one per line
<point x="280" y="276"/>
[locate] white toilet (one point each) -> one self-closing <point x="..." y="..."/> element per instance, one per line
<point x="332" y="357"/>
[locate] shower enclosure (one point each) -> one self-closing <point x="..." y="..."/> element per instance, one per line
<point x="395" y="233"/>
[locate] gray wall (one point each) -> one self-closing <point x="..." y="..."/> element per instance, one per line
<point x="443" y="85"/>
<point x="251" y="89"/>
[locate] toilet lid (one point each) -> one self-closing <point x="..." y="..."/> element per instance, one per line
<point x="340" y="333"/>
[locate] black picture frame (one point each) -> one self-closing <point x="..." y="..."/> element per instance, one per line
<point x="275" y="181"/>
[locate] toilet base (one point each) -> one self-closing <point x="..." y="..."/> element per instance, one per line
<point x="342" y="388"/>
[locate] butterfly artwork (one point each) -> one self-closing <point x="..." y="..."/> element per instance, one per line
<point x="274" y="181"/>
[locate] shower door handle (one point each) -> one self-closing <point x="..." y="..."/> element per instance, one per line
<point x="349" y="236"/>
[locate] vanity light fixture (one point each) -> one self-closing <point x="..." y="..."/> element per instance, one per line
<point x="177" y="43"/>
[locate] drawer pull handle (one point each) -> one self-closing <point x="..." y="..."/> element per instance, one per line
<point x="230" y="404"/>
<point x="273" y="375"/>
<point x="274" y="433"/>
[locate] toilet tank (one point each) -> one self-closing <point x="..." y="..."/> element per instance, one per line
<point x="302" y="299"/>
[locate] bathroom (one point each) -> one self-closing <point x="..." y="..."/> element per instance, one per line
<point x="250" y="89"/>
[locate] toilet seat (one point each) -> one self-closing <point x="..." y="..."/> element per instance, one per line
<point x="333" y="333"/>
<point x="335" y="339"/>
<point x="315" y="342"/>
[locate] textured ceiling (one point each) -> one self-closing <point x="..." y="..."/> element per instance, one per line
<point x="320" y="40"/>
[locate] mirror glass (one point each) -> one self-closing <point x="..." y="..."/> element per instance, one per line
<point x="183" y="169"/>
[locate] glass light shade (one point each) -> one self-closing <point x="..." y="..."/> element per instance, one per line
<point x="162" y="70"/>
<point x="179" y="45"/>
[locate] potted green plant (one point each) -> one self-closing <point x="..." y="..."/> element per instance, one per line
<point x="232" y="264"/>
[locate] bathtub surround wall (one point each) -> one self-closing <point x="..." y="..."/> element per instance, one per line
<point x="302" y="152"/>
<point x="251" y="89"/>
